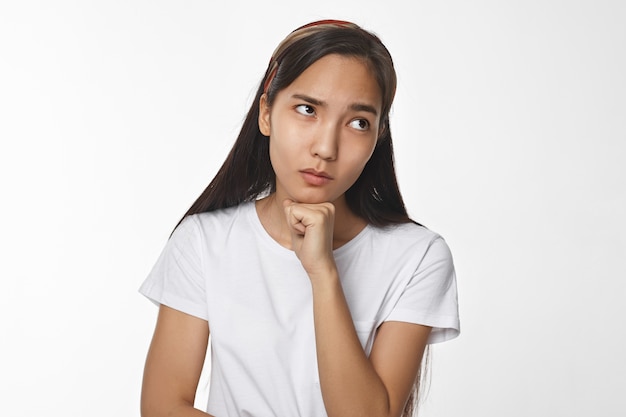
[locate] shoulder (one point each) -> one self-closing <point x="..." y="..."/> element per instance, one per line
<point x="211" y="228"/>
<point x="410" y="240"/>
<point x="217" y="219"/>
<point x="406" y="234"/>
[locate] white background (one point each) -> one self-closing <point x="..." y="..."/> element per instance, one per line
<point x="510" y="132"/>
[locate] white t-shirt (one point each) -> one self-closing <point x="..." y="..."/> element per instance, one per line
<point x="223" y="267"/>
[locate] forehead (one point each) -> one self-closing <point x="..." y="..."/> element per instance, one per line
<point x="339" y="78"/>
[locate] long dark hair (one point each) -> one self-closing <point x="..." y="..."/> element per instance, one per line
<point x="247" y="173"/>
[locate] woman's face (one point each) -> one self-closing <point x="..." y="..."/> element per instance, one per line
<point x="322" y="129"/>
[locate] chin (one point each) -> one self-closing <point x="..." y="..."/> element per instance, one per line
<point x="313" y="198"/>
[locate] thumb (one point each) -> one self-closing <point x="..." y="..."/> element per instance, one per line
<point x="288" y="202"/>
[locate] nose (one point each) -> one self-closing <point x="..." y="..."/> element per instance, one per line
<point x="325" y="142"/>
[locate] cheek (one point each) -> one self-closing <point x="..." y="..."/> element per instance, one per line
<point x="362" y="153"/>
<point x="288" y="142"/>
<point x="359" y="159"/>
<point x="275" y="157"/>
<point x="283" y="154"/>
<point x="280" y="149"/>
<point x="355" y="164"/>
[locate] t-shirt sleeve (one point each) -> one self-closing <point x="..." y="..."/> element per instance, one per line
<point x="177" y="278"/>
<point x="430" y="296"/>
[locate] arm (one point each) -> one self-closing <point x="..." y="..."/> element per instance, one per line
<point x="173" y="365"/>
<point x="352" y="384"/>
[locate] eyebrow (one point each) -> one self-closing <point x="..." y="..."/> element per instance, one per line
<point x="355" y="106"/>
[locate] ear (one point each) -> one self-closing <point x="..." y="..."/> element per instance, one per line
<point x="264" y="115"/>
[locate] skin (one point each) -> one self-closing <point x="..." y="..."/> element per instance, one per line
<point x="326" y="121"/>
<point x="322" y="130"/>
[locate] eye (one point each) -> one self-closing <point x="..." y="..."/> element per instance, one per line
<point x="305" y="110"/>
<point x="360" y="124"/>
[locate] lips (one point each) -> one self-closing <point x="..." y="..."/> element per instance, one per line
<point x="317" y="178"/>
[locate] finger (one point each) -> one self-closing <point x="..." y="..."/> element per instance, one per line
<point x="289" y="214"/>
<point x="294" y="220"/>
<point x="299" y="228"/>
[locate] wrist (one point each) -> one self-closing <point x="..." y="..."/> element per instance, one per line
<point x="324" y="276"/>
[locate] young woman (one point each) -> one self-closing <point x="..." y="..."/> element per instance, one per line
<point x="299" y="259"/>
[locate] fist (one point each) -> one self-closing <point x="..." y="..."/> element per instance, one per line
<point x="311" y="227"/>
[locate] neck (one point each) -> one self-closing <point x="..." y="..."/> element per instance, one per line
<point x="272" y="216"/>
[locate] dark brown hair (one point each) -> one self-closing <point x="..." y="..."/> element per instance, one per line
<point x="247" y="173"/>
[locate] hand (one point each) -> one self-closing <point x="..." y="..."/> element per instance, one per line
<point x="311" y="227"/>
